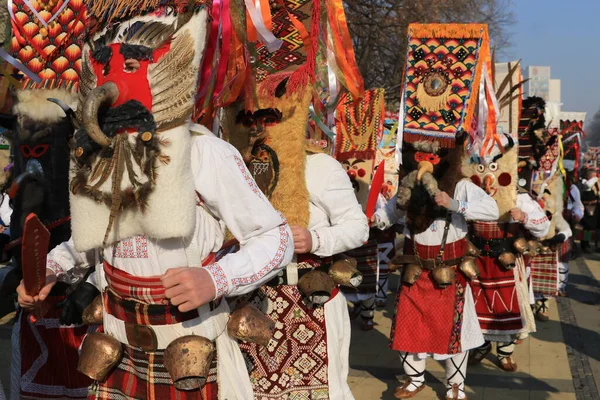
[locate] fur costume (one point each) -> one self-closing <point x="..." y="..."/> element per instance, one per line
<point x="435" y="315"/>
<point x="40" y="146"/>
<point x="122" y="186"/>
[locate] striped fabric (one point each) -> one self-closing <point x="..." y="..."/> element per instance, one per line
<point x="495" y="230"/>
<point x="136" y="312"/>
<point x="367" y="257"/>
<point x="544" y="274"/>
<point x="143" y="376"/>
<point x="451" y="250"/>
<point x="147" y="289"/>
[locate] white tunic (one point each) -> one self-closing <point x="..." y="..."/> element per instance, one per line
<point x="474" y="204"/>
<point x="228" y="197"/>
<point x="536" y="221"/>
<point x="574" y="203"/>
<point x="337" y="224"/>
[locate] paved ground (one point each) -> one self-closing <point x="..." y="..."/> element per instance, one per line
<point x="560" y="361"/>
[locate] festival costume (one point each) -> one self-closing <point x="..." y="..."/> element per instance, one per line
<point x="153" y="192"/>
<point x="501" y="289"/>
<point x="541" y="173"/>
<point x="51" y="50"/>
<point x="359" y="125"/>
<point x="309" y="352"/>
<point x="307" y="355"/>
<point x="435" y="312"/>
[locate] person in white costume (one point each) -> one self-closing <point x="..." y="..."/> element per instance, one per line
<point x="227" y="197"/>
<point x="419" y="332"/>
<point x="337" y="224"/>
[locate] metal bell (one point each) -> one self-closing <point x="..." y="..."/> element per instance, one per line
<point x="317" y="286"/>
<point x="93" y="313"/>
<point x="345" y="273"/>
<point x="188" y="360"/>
<point x="469" y="267"/>
<point x="443" y="276"/>
<point x="99" y="354"/>
<point x="545" y="250"/>
<point x="401" y="260"/>
<point x="411" y="274"/>
<point x="535" y="247"/>
<point x="521" y="246"/>
<point x="249" y="324"/>
<point x="507" y="259"/>
<point x="472" y="250"/>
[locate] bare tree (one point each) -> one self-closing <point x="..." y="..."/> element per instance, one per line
<point x="378" y="29"/>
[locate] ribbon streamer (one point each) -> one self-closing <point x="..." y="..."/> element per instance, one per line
<point x="15" y="63"/>
<point x="271" y="42"/>
<point x="320" y="124"/>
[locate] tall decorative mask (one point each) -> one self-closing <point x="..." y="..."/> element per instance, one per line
<point x="131" y="170"/>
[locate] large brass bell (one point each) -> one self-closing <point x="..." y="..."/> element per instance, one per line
<point x="401" y="260"/>
<point x="188" y="360"/>
<point x="249" y="324"/>
<point x="521" y="246"/>
<point x="535" y="248"/>
<point x="507" y="259"/>
<point x="472" y="250"/>
<point x="317" y="286"/>
<point x="443" y="276"/>
<point x="345" y="273"/>
<point x="469" y="267"/>
<point x="93" y="313"/>
<point x="411" y="273"/>
<point x="545" y="250"/>
<point x="99" y="354"/>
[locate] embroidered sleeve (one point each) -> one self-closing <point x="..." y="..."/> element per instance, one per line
<point x="219" y="278"/>
<point x="230" y="194"/>
<point x="462" y="208"/>
<point x="54" y="267"/>
<point x="525" y="218"/>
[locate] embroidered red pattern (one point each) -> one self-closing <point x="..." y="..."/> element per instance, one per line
<point x="249" y="180"/>
<point x="275" y="262"/>
<point x="136" y="247"/>
<point x="54" y="267"/>
<point x="220" y="279"/>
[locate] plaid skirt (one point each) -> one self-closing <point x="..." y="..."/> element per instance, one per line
<point x="544" y="274"/>
<point x="143" y="376"/>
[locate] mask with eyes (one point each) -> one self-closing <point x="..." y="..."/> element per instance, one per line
<point x="131" y="168"/>
<point x="427" y="169"/>
<point x="272" y="141"/>
<point x="497" y="175"/>
<point x="40" y="149"/>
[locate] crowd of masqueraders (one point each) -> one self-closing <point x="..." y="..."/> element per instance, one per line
<point x="151" y="257"/>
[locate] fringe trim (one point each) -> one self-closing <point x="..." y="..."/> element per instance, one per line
<point x="461" y="31"/>
<point x="443" y="31"/>
<point x="361" y="155"/>
<point x="432" y="103"/>
<point x="299" y="79"/>
<point x="444" y="142"/>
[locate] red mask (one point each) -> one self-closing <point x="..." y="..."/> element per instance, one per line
<point x="132" y="84"/>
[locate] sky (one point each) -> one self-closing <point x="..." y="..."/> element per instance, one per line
<point x="565" y="35"/>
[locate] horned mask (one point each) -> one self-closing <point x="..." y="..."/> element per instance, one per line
<point x="131" y="171"/>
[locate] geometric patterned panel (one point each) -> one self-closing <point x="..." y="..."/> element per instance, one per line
<point x="442" y="75"/>
<point x="53" y="53"/>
